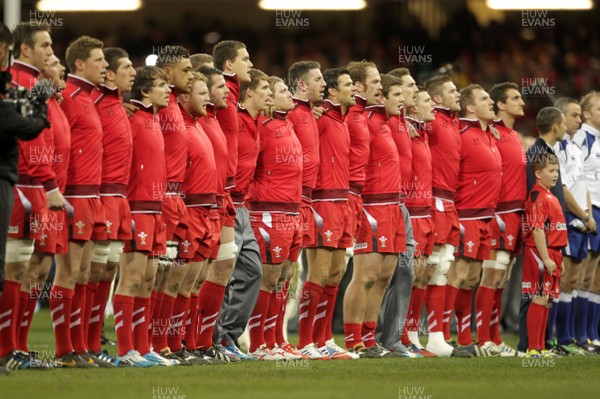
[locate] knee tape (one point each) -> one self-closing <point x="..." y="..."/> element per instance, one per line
<point x="171" y="254"/>
<point x="434" y="259"/>
<point x="443" y="266"/>
<point x="502" y="260"/>
<point x="227" y="251"/>
<point x="19" y="251"/>
<point x="116" y="249"/>
<point x="488" y="264"/>
<point x="100" y="254"/>
<point x="438" y="278"/>
<point x="449" y="254"/>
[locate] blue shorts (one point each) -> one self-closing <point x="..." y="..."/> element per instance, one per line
<point x="577" y="247"/>
<point x="594" y="239"/>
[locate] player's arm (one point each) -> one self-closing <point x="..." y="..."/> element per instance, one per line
<point x="573" y="206"/>
<point x="540" y="244"/>
<point x="590" y="223"/>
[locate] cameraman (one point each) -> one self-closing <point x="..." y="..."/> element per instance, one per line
<point x="13" y="126"/>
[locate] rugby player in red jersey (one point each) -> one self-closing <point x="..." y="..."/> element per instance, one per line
<point x="145" y="193"/>
<point x="477" y="196"/>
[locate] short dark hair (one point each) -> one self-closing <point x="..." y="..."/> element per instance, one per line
<point x="226" y="50"/>
<point x="5" y="36"/>
<point x="112" y="55"/>
<point x="540" y="161"/>
<point x="144" y="80"/>
<point x="563" y="102"/>
<point x="200" y="59"/>
<point x="434" y="84"/>
<point x="256" y="76"/>
<point x="299" y="70"/>
<point x="387" y="81"/>
<point x="547" y="117"/>
<point x="209" y="73"/>
<point x="24" y="32"/>
<point x="399" y="72"/>
<point x="499" y="92"/>
<point x="466" y="97"/>
<point x="80" y="49"/>
<point x="331" y="76"/>
<point x="168" y="56"/>
<point x="358" y="70"/>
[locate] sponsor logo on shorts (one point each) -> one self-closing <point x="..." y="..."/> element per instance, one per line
<point x="186" y="246"/>
<point x="494" y="242"/>
<point x="43" y="239"/>
<point x="108" y="226"/>
<point x="361" y="245"/>
<point x="470" y="245"/>
<point x="526" y="284"/>
<point x="80" y="225"/>
<point x="277" y="251"/>
<point x="13" y="229"/>
<point x="510" y="239"/>
<point x="142" y="236"/>
<point x="328" y="234"/>
<point x="383" y="240"/>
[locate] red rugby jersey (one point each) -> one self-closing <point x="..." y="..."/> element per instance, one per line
<point x="61" y="133"/>
<point x="334" y="147"/>
<point x="356" y="119"/>
<point x="305" y="126"/>
<point x="174" y="131"/>
<point x="480" y="171"/>
<point x="35" y="156"/>
<point x="85" y="162"/>
<point x="277" y="185"/>
<point x="213" y="130"/>
<point x="543" y="211"/>
<point x="200" y="184"/>
<point x="403" y="143"/>
<point x="116" y="141"/>
<point x="148" y="177"/>
<point x="444" y="143"/>
<point x="513" y="189"/>
<point x="383" y="169"/>
<point x="418" y="192"/>
<point x="248" y="147"/>
<point x="228" y="121"/>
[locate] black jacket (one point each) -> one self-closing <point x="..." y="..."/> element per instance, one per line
<point x="13" y="126"/>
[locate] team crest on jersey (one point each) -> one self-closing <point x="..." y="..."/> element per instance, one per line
<point x="35" y="226"/>
<point x="80" y="225"/>
<point x="304" y="119"/>
<point x="147" y="124"/>
<point x="476" y="141"/>
<point x="470" y="244"/>
<point x="277" y="251"/>
<point x="110" y="111"/>
<point x="43" y="239"/>
<point x="86" y="108"/>
<point x="142" y="236"/>
<point x="383" y="240"/>
<point x="510" y="239"/>
<point x="186" y="246"/>
<point x="278" y="133"/>
<point x="328" y="234"/>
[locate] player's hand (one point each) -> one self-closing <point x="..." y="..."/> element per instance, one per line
<point x="317" y="112"/>
<point x="591" y="224"/>
<point x="56" y="201"/>
<point x="550" y="265"/>
<point x="130" y="109"/>
<point x="412" y="132"/>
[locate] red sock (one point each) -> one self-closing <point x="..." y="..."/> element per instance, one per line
<point x="191" y="324"/>
<point x="97" y="316"/>
<point x="310" y="295"/>
<point x="139" y="324"/>
<point x="535" y="326"/>
<point x="462" y="308"/>
<point x="279" y="336"/>
<point x="256" y="324"/>
<point x="61" y="300"/>
<point x="352" y="336"/>
<point x="417" y="306"/>
<point x="153" y="296"/>
<point x="542" y="339"/>
<point x="123" y="307"/>
<point x="496" y="315"/>
<point x="271" y="320"/>
<point x="177" y="330"/>
<point x="333" y="292"/>
<point x="160" y="330"/>
<point x="90" y="295"/>
<point x="9" y="317"/>
<point x="484" y="302"/>
<point x="435" y="298"/>
<point x="23" y="299"/>
<point x="325" y="309"/>
<point x="408" y="322"/>
<point x="27" y="307"/>
<point x="368" y="333"/>
<point x="77" y="316"/>
<point x="156" y="307"/>
<point x="211" y="297"/>
<point x="451" y="293"/>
